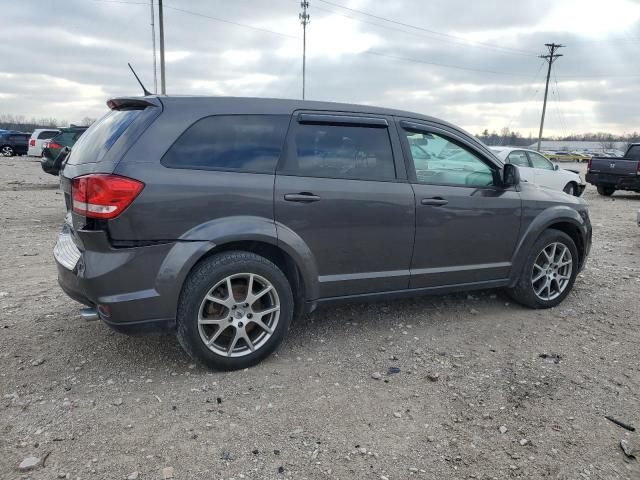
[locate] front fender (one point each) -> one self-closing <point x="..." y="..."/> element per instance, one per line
<point x="541" y="222"/>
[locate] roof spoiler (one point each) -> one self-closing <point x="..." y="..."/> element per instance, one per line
<point x="133" y="103"/>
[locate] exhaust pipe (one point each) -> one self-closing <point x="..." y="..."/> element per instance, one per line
<point x="89" y="314"/>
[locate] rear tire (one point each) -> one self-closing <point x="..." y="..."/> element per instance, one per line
<point x="540" y="271"/>
<point x="606" y="191"/>
<point x="230" y="331"/>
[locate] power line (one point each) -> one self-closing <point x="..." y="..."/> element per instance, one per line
<point x="417" y="34"/>
<point x="230" y="22"/>
<point x="433" y="32"/>
<point x="436" y="64"/>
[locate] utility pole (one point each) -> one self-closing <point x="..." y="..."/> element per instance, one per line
<point x="550" y="58"/>
<point x="153" y="43"/>
<point x="304" y="20"/>
<point x="163" y="84"/>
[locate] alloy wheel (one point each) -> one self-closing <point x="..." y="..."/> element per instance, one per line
<point x="551" y="271"/>
<point x="6" y="151"/>
<point x="238" y="315"/>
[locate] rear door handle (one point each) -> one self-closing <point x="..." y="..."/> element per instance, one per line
<point x="303" y="197"/>
<point x="435" y="201"/>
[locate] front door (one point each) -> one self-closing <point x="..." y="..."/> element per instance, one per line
<point x="338" y="189"/>
<point x="546" y="173"/>
<point x="466" y="225"/>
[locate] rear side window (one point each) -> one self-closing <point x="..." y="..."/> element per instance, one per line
<point x="338" y="151"/>
<point x="634" y="152"/>
<point x="19" y="138"/>
<point x="47" y="134"/>
<point x="241" y="143"/>
<point x="99" y="138"/>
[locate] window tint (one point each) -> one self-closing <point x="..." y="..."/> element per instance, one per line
<point x="634" y="152"/>
<point x="19" y="138"/>
<point x="249" y="143"/>
<point x="336" y="151"/>
<point x="518" y="158"/>
<point x="100" y="136"/>
<point x="538" y="161"/>
<point x="438" y="160"/>
<point x="47" y="134"/>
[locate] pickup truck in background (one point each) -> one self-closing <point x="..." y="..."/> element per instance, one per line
<point x="609" y="174"/>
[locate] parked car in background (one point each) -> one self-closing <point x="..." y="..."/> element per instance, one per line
<point x="38" y="137"/>
<point x="221" y="219"/>
<point x="609" y="174"/>
<point x="566" y="157"/>
<point x="55" y="150"/>
<point x="535" y="168"/>
<point x="13" y="143"/>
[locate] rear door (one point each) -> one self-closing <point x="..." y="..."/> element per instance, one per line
<point x="467" y="226"/>
<point x="341" y="188"/>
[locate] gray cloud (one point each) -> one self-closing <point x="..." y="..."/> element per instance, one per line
<point x="66" y="61"/>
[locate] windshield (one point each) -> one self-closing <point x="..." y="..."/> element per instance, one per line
<point x="101" y="136"/>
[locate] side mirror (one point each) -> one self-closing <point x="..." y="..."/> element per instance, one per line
<point x="510" y="175"/>
<point x="556" y="167"/>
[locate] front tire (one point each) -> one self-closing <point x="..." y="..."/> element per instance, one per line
<point x="549" y="272"/>
<point x="234" y="310"/>
<point x="7" y="151"/>
<point x="606" y="191"/>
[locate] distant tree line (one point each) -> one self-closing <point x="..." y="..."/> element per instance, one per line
<point x="23" y="124"/>
<point x="515" y="139"/>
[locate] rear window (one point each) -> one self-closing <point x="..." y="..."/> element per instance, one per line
<point x="47" y="134"/>
<point x="634" y="152"/>
<point x="241" y="143"/>
<point x="93" y="143"/>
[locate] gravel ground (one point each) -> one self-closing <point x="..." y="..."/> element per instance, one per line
<point x="485" y="388"/>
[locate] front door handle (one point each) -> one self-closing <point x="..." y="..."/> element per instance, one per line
<point x="435" y="201"/>
<point x="304" y="197"/>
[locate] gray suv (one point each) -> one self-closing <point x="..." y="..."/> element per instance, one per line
<point x="222" y="219"/>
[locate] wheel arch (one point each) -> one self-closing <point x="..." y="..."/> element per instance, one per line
<point x="560" y="218"/>
<point x="250" y="234"/>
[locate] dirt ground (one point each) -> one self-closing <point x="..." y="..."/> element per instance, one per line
<point x="485" y="389"/>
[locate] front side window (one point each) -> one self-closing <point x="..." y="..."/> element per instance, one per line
<point x="338" y="151"/>
<point x="439" y="161"/>
<point x="518" y="158"/>
<point x="539" y="161"/>
<point x="241" y="143"/>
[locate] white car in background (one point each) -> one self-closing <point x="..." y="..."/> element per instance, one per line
<point x="38" y="137"/>
<point x="535" y="168"/>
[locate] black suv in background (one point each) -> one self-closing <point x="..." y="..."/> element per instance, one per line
<point x="55" y="151"/>
<point x="222" y="219"/>
<point x="14" y="143"/>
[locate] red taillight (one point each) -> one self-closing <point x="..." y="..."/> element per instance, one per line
<point x="32" y="142"/>
<point x="102" y="195"/>
<point x="589" y="165"/>
<point x="53" y="145"/>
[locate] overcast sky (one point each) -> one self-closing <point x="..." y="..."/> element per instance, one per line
<point x="64" y="59"/>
